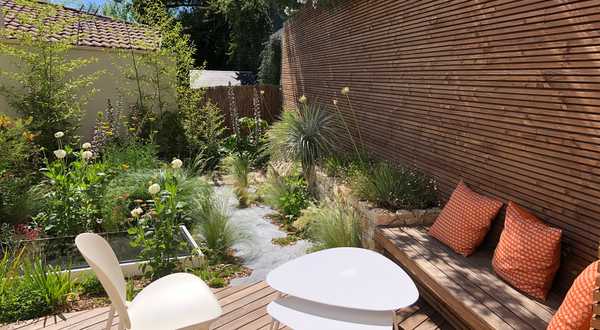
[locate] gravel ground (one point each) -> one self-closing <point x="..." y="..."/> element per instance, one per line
<point x="256" y="250"/>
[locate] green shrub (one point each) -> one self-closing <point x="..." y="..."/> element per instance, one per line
<point x="334" y="223"/>
<point x="90" y="285"/>
<point x="395" y="188"/>
<point x="249" y="141"/>
<point x="217" y="234"/>
<point x="287" y="194"/>
<point x="131" y="156"/>
<point x="130" y="190"/>
<point x="205" y="132"/>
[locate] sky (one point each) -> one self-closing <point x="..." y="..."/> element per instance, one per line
<point x="77" y="3"/>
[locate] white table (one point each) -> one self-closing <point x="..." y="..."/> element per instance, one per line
<point x="343" y="281"/>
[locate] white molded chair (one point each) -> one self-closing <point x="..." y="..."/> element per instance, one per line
<point x="176" y="301"/>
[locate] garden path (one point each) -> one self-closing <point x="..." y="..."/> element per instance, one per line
<point x="257" y="251"/>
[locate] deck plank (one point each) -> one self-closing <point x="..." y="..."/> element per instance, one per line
<point x="244" y="308"/>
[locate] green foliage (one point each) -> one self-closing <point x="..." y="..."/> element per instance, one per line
<point x="395" y="188"/>
<point x="118" y="9"/>
<point x="46" y="83"/>
<point x="131" y="156"/>
<point x="344" y="165"/>
<point x="250" y="141"/>
<point x="269" y="72"/>
<point x="287" y="194"/>
<point x="215" y="229"/>
<point x="16" y="170"/>
<point x="157" y="227"/>
<point x="49" y="281"/>
<point x="129" y="190"/>
<point x="335" y="223"/>
<point x="217" y="276"/>
<point x="90" y="285"/>
<point x="73" y="185"/>
<point x="289" y="239"/>
<point x="238" y="167"/>
<point x="306" y="136"/>
<point x="205" y="131"/>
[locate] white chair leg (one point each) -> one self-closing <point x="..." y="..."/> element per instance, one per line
<point x="111" y="317"/>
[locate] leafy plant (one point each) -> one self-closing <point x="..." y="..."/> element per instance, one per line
<point x="74" y="184"/>
<point x="205" y="132"/>
<point x="131" y="155"/>
<point x="238" y="167"/>
<point x="217" y="276"/>
<point x="335" y="223"/>
<point x="249" y="140"/>
<point x="90" y="285"/>
<point x="217" y="234"/>
<point x="49" y="281"/>
<point x="395" y="188"/>
<point x="306" y="136"/>
<point x="287" y="194"/>
<point x="48" y="85"/>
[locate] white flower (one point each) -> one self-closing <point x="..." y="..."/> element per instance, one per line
<point x="303" y="99"/>
<point x="334" y="102"/>
<point x="60" y="153"/>
<point x="154" y="189"/>
<point x="176" y="163"/>
<point x="345" y="90"/>
<point x="87" y="155"/>
<point x="262" y="92"/>
<point x="137" y="212"/>
<point x="86" y="146"/>
<point x="58" y="135"/>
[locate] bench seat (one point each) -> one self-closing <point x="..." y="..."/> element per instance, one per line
<point x="464" y="289"/>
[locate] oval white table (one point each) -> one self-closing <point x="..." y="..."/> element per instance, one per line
<point x="348" y="284"/>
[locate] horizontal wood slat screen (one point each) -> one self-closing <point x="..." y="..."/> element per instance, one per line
<point x="504" y="94"/>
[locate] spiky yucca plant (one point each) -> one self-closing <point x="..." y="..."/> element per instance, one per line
<point x="304" y="135"/>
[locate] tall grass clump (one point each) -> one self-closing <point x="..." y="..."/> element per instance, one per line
<point x="395" y="188"/>
<point x="237" y="165"/>
<point x="304" y="135"/>
<point x="218" y="236"/>
<point x="335" y="223"/>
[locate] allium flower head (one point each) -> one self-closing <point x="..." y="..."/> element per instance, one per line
<point x="176" y="163"/>
<point x="60" y="153"/>
<point x="345" y="90"/>
<point x="59" y="135"/>
<point x="154" y="189"/>
<point x="303" y="99"/>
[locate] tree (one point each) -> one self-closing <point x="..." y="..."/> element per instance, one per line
<point x="45" y="83"/>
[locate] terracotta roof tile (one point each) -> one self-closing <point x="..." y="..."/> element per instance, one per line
<point x="86" y="29"/>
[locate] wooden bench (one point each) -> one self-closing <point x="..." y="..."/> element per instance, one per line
<point x="464" y="289"/>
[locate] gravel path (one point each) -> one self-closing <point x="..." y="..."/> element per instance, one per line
<point x="257" y="251"/>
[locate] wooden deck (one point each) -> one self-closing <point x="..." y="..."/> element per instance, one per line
<point x="244" y="307"/>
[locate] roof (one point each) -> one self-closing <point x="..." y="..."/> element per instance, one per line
<point x="88" y="29"/>
<point x="213" y="78"/>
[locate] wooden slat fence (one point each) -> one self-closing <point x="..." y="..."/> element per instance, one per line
<point x="502" y="93"/>
<point x="270" y="101"/>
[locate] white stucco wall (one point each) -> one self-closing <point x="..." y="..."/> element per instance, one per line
<point x="108" y="84"/>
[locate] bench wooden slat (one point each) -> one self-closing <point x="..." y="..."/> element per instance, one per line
<point x="470" y="283"/>
<point x="478" y="269"/>
<point x="467" y="286"/>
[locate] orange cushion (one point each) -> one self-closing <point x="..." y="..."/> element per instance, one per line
<point x="528" y="254"/>
<point x="575" y="312"/>
<point x="465" y="220"/>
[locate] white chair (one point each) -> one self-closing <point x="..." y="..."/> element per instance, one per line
<point x="176" y="301"/>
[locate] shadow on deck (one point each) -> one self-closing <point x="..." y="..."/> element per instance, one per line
<point x="244" y="307"/>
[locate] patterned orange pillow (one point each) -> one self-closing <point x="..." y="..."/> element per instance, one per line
<point x="528" y="254"/>
<point x="575" y="312"/>
<point x="465" y="220"/>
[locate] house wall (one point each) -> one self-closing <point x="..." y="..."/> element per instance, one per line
<point x="503" y="94"/>
<point x="111" y="84"/>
